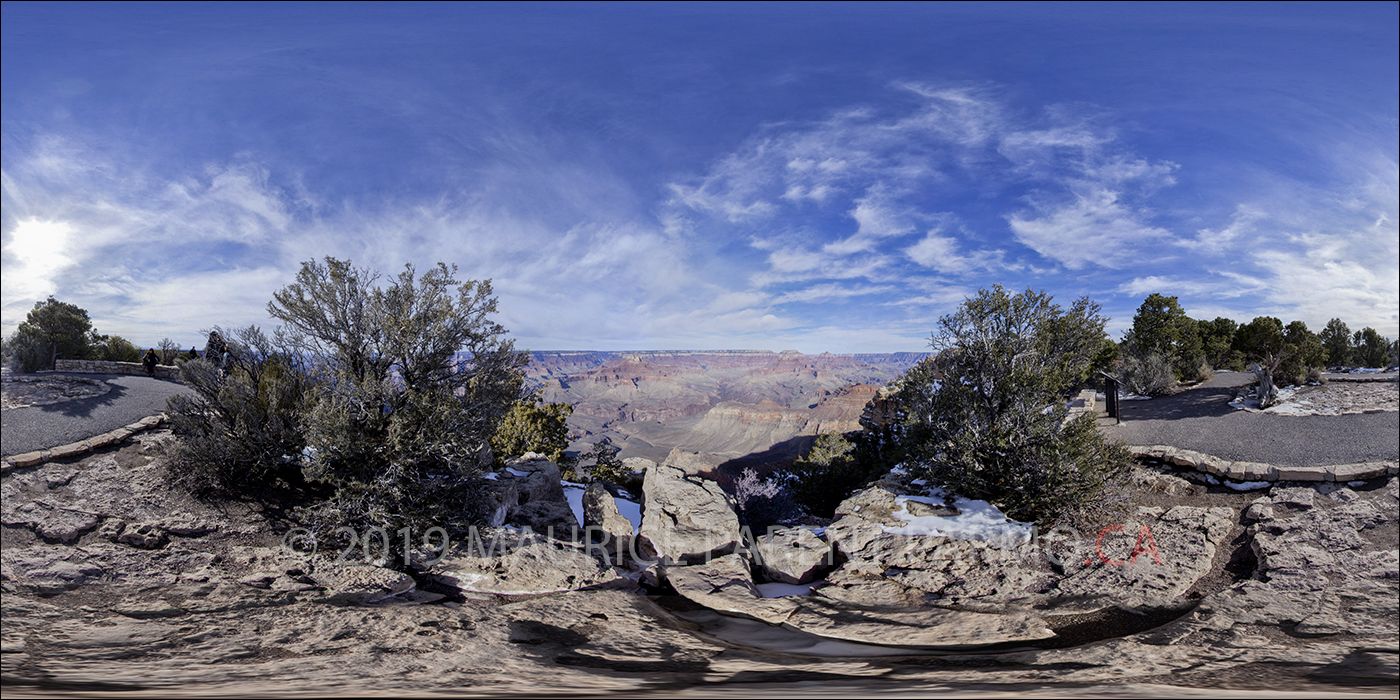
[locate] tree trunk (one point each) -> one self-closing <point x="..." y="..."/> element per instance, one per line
<point x="1268" y="393"/>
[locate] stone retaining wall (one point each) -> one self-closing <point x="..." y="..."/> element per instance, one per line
<point x="106" y="367"/>
<point x="1258" y="471"/>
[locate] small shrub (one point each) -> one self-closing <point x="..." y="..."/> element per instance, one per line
<point x="762" y="502"/>
<point x="834" y="468"/>
<point x="1147" y="374"/>
<point x="532" y="426"/>
<point x="243" y="425"/>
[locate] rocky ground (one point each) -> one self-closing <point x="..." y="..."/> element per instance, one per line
<point x="115" y="582"/>
<point x="1333" y="399"/>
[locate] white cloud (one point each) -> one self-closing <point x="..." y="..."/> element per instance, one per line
<point x="1096" y="228"/>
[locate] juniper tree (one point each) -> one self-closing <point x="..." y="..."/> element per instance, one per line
<point x="995" y="425"/>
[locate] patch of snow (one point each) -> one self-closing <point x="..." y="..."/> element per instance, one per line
<point x="491" y="476"/>
<point x="1367" y="370"/>
<point x="517" y="472"/>
<point x="782" y="590"/>
<point x="574" y="492"/>
<point x="978" y="520"/>
<point x="1356" y="483"/>
<point x="818" y="531"/>
<point x="919" y="482"/>
<point x="629" y="510"/>
<point x="1134" y="397"/>
<point x="1249" y="485"/>
<point x="898" y="470"/>
<point x="1210" y="479"/>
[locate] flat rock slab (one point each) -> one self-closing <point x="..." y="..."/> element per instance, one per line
<point x="362" y="584"/>
<point x="919" y="627"/>
<point x="725" y="585"/>
<point x="1152" y="558"/>
<point x="508" y="562"/>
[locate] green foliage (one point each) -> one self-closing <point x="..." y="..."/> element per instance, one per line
<point x="531" y="426"/>
<point x="52" y="330"/>
<point x="834" y="467"/>
<point x="1336" y="338"/>
<point x="1216" y="337"/>
<point x="1260" y="339"/>
<point x="1162" y="328"/>
<point x="1370" y="348"/>
<point x="1147" y="374"/>
<point x="1302" y="352"/>
<point x="242" y="427"/>
<point x="115" y="348"/>
<point x="397" y="423"/>
<point x="995" y="426"/>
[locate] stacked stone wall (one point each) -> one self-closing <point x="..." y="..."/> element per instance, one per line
<point x="108" y="367"/>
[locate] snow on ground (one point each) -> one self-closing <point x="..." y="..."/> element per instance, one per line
<point x="978" y="520"/>
<point x="1248" y="485"/>
<point x="574" y="492"/>
<point x="631" y="511"/>
<point x="781" y="590"/>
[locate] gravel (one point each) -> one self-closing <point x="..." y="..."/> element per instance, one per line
<point x="44" y="427"/>
<point x="1201" y="419"/>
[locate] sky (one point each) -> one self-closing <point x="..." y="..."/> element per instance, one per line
<point x="816" y="177"/>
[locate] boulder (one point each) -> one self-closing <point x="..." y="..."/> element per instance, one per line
<point x="687" y="519"/>
<point x="66" y="526"/>
<point x="792" y="556"/>
<point x="546" y="517"/>
<point x="144" y="536"/>
<point x="605" y="523"/>
<point x="725" y="585"/>
<point x="875" y="504"/>
<point x="516" y="563"/>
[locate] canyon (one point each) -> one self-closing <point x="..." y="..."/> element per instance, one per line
<point x="723" y="405"/>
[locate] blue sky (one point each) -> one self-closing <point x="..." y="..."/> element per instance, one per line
<point x="819" y="177"/>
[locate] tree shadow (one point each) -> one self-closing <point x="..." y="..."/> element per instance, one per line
<point x="83" y="408"/>
<point x="1202" y="402"/>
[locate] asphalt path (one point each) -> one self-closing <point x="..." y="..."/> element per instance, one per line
<point x="1201" y="419"/>
<point x="44" y="427"/>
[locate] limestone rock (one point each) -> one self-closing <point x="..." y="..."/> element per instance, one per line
<point x="546" y="517"/>
<point x="874" y="504"/>
<point x="724" y="584"/>
<point x="144" y="536"/>
<point x="516" y="563"/>
<point x="600" y="512"/>
<point x="687" y="519"/>
<point x="920" y="627"/>
<point x="793" y="556"/>
<point x="358" y="584"/>
<point x="1122" y="561"/>
<point x="66" y="526"/>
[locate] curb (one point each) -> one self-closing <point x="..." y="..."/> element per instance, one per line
<point x="1258" y="471"/>
<point x="73" y="449"/>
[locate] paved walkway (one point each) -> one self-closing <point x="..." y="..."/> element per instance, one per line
<point x="1201" y="419"/>
<point x="44" y="427"/>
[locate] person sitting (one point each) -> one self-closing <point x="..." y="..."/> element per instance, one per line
<point x="150" y="361"/>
